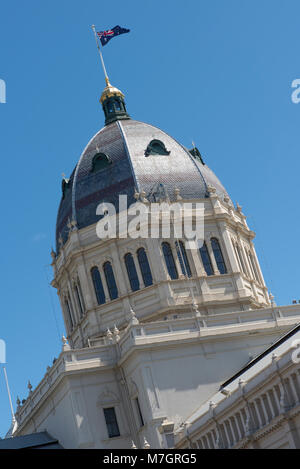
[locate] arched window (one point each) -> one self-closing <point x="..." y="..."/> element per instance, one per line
<point x="184" y="263"/>
<point x="156" y="147"/>
<point x="100" y="295"/>
<point x="253" y="266"/>
<point x="131" y="271"/>
<point x="100" y="161"/>
<point x="145" y="267"/>
<point x="79" y="298"/>
<point x="109" y="106"/>
<point x="69" y="313"/>
<point x="117" y="105"/>
<point x="110" y="281"/>
<point x="169" y="259"/>
<point x="240" y="259"/>
<point x="218" y="256"/>
<point x="206" y="259"/>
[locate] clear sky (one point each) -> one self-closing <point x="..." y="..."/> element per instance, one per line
<point x="216" y="72"/>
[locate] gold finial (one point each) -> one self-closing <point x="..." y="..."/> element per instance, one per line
<point x="109" y="91"/>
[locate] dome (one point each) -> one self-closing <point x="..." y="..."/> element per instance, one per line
<point x="125" y="157"/>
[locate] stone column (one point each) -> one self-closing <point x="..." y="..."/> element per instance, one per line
<point x="117" y="268"/>
<point x="273" y="412"/>
<point x="138" y="269"/>
<point x="233" y="265"/>
<point x="212" y="257"/>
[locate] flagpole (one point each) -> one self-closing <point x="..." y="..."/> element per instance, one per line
<point x="9" y="396"/>
<point x="100" y="53"/>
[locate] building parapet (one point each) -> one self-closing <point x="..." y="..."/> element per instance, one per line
<point x="107" y="351"/>
<point x="250" y="407"/>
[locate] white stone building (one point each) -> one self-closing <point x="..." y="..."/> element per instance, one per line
<point x="259" y="407"/>
<point x="154" y="329"/>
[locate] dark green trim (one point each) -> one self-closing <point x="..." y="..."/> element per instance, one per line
<point x="65" y="186"/>
<point x="156" y="147"/>
<point x="196" y="154"/>
<point x="100" y="161"/>
<point x="114" y="109"/>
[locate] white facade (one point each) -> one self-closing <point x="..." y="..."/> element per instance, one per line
<point x="259" y="409"/>
<point x="165" y="352"/>
<point x="138" y="362"/>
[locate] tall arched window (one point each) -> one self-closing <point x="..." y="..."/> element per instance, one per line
<point x="206" y="259"/>
<point x="145" y="267"/>
<point x="79" y="298"/>
<point x="183" y="260"/>
<point x="253" y="266"/>
<point x="131" y="271"/>
<point x="218" y="256"/>
<point x="69" y="313"/>
<point x="100" y="295"/>
<point x="110" y="281"/>
<point x="169" y="259"/>
<point x="240" y="259"/>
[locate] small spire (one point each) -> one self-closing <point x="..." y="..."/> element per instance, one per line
<point x="116" y="334"/>
<point x="53" y="254"/>
<point x="109" y="335"/>
<point x="241" y="383"/>
<point x="29" y="386"/>
<point x="146" y="444"/>
<point x="133" y="319"/>
<point x="238" y="207"/>
<point x="65" y="345"/>
<point x="177" y="194"/>
<point x="274" y="357"/>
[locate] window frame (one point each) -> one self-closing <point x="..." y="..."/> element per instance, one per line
<point x="167" y="257"/>
<point x="139" y="413"/>
<point x="146" y="272"/>
<point x="109" y="423"/>
<point x="183" y="259"/>
<point x="221" y="261"/>
<point x="205" y="263"/>
<point x="71" y="320"/>
<point x="252" y="263"/>
<point x="79" y="298"/>
<point x="132" y="272"/>
<point x="110" y="281"/>
<point x="96" y="288"/>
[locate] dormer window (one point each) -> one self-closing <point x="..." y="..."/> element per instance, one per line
<point x="100" y="161"/>
<point x="196" y="154"/>
<point x="156" y="147"/>
<point x="65" y="186"/>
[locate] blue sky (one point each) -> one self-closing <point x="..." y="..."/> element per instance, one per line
<point x="215" y="72"/>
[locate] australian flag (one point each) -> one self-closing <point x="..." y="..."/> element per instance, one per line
<point x="106" y="36"/>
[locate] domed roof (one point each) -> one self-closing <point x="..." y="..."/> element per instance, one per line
<point x="126" y="157"/>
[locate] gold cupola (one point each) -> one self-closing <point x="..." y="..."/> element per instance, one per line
<point x="113" y="104"/>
